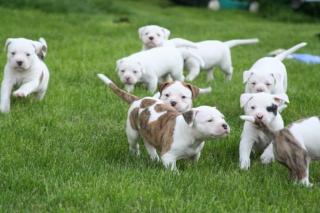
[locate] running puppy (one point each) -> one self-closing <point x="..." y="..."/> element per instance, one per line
<point x="295" y="145"/>
<point x="174" y="135"/>
<point x="25" y="68"/>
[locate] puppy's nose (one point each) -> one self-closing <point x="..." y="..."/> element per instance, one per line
<point x="260" y="90"/>
<point x="259" y="117"/>
<point x="19" y="63"/>
<point x="173" y="103"/>
<point x="225" y="126"/>
<point x="151" y="38"/>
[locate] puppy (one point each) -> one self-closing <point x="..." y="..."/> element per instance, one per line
<point x="264" y="107"/>
<point x="25" y="68"/>
<point x="174" y="135"/>
<point x="295" y="145"/>
<point x="148" y="66"/>
<point x="156" y="36"/>
<point x="269" y="74"/>
<point x="179" y="94"/>
<point x="214" y="53"/>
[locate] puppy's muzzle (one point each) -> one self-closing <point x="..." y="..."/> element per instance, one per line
<point x="173" y="103"/>
<point x="151" y="38"/>
<point x="19" y="63"/>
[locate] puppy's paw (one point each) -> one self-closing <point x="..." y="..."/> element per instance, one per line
<point x="266" y="158"/>
<point x="19" y="94"/>
<point x="244" y="164"/>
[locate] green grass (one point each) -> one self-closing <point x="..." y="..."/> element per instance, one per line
<point x="69" y="152"/>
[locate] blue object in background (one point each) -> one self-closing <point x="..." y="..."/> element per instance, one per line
<point x="306" y="58"/>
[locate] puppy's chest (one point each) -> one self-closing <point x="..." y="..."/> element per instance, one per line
<point x="262" y="140"/>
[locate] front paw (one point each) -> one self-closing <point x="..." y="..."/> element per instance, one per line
<point x="245" y="164"/>
<point x="19" y="94"/>
<point x="266" y="158"/>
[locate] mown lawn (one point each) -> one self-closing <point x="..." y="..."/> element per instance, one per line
<point x="69" y="152"/>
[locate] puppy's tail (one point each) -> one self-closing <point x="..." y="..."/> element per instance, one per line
<point x="179" y="42"/>
<point x="236" y="42"/>
<point x="127" y="97"/>
<point x="286" y="53"/>
<point x="186" y="53"/>
<point x="205" y="90"/>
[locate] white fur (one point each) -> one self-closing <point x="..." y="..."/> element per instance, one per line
<point x="214" y="53"/>
<point x="148" y="66"/>
<point x="187" y="138"/>
<point x="32" y="75"/>
<point x="255" y="105"/>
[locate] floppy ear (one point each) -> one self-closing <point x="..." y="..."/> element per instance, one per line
<point x="166" y="33"/>
<point x="8" y="41"/>
<point x="246" y="75"/>
<point x="119" y="61"/>
<point x="40" y="47"/>
<point x="163" y="85"/>
<point x="278" y="81"/>
<point x="281" y="98"/>
<point x="143" y="70"/>
<point x="194" y="90"/>
<point x="140" y="31"/>
<point x="244" y="98"/>
<point x="189" y="117"/>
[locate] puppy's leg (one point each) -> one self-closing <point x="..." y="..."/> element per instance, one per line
<point x="177" y="74"/>
<point x="303" y="173"/>
<point x="245" y="151"/>
<point x="210" y="74"/>
<point x="152" y="84"/>
<point x="267" y="155"/>
<point x="26" y="89"/>
<point x="194" y="68"/>
<point x="132" y="136"/>
<point x="169" y="161"/>
<point x="196" y="157"/>
<point x="226" y="67"/>
<point x="129" y="88"/>
<point x="151" y="151"/>
<point x="6" y="88"/>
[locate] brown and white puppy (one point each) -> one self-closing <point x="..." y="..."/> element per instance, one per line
<point x="174" y="135"/>
<point x="179" y="94"/>
<point x="295" y="145"/>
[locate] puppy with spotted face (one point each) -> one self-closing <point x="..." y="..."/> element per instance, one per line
<point x="294" y="146"/>
<point x="179" y="94"/>
<point x="156" y="36"/>
<point x="265" y="108"/>
<point x="174" y="135"/>
<point x="25" y="68"/>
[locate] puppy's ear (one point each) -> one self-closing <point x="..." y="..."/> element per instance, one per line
<point x="143" y="70"/>
<point x="278" y="81"/>
<point x="189" y="117"/>
<point x="194" y="90"/>
<point x="245" y="98"/>
<point x="41" y="47"/>
<point x="8" y="41"/>
<point x="164" y="85"/>
<point x="140" y="31"/>
<point x="281" y="98"/>
<point x="119" y="61"/>
<point x="246" y="76"/>
<point x="166" y="33"/>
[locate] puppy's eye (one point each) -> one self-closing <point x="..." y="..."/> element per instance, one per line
<point x="28" y="54"/>
<point x="135" y="71"/>
<point x="183" y="97"/>
<point x="268" y="84"/>
<point x="13" y="53"/>
<point x="167" y="95"/>
<point x="211" y="120"/>
<point x="253" y="107"/>
<point x="158" y="34"/>
<point x="122" y="71"/>
<point x="253" y="83"/>
<point x="146" y="33"/>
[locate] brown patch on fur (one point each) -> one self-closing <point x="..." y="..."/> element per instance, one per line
<point x="289" y="153"/>
<point x="194" y="90"/>
<point x="158" y="133"/>
<point x="133" y="117"/>
<point x="147" y="102"/>
<point x="164" y="85"/>
<point x="41" y="78"/>
<point x="127" y="97"/>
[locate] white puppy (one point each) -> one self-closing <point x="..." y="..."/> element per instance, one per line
<point x="295" y="145"/>
<point x="24" y="68"/>
<point x="179" y="94"/>
<point x="214" y="53"/>
<point x="174" y="135"/>
<point x="269" y="74"/>
<point x="148" y="66"/>
<point x="264" y="107"/>
<point x="156" y="36"/>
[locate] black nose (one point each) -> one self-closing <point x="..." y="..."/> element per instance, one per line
<point x="19" y="63"/>
<point x="225" y="126"/>
<point x="173" y="103"/>
<point x="260" y="90"/>
<point x="151" y="37"/>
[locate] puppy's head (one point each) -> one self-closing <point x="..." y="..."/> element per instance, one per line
<point x="153" y="35"/>
<point x="22" y="53"/>
<point x="262" y="106"/>
<point x="178" y="94"/>
<point x="129" y="71"/>
<point x="261" y="81"/>
<point x="207" y="122"/>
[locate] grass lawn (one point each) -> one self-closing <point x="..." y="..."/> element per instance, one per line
<point x="69" y="152"/>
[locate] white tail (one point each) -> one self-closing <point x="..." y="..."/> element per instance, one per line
<point x="286" y="53"/>
<point x="237" y="42"/>
<point x="205" y="90"/>
<point x="105" y="79"/>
